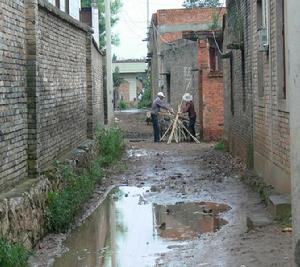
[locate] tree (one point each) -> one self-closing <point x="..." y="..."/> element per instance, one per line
<point x="117" y="79"/>
<point x="116" y="6"/>
<point x="201" y="3"/>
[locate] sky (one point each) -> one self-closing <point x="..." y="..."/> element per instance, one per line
<point x="132" y="26"/>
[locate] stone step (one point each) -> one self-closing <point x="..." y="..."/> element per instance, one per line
<point x="258" y="220"/>
<point x="279" y="206"/>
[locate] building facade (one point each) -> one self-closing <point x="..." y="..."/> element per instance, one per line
<point x="256" y="98"/>
<point x="183" y="57"/>
<point x="131" y="73"/>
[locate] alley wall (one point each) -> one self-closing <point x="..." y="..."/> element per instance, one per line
<point x="51" y="87"/>
<point x="13" y="107"/>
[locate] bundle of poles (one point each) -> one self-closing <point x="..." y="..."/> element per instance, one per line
<point x="177" y="131"/>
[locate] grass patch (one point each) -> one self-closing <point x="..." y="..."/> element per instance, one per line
<point x="78" y="187"/>
<point x="122" y="104"/>
<point x="12" y="255"/>
<point x="220" y="145"/>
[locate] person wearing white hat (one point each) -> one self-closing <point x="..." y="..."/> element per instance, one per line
<point x="190" y="109"/>
<point x="155" y="108"/>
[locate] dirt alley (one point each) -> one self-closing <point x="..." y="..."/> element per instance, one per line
<point x="190" y="172"/>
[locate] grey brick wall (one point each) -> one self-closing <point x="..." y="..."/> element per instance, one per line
<point x="51" y="85"/>
<point x="13" y="108"/>
<point x="62" y="108"/>
<point x="238" y="103"/>
<point x="256" y="113"/>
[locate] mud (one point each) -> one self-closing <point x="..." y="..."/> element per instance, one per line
<point x="190" y="173"/>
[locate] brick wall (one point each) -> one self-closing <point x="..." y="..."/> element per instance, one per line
<point x="51" y="87"/>
<point x="238" y="106"/>
<point x="271" y="116"/>
<point x="212" y="95"/>
<point x="13" y="108"/>
<point x="62" y="122"/>
<point x="256" y="111"/>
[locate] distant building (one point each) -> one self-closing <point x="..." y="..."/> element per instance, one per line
<point x="131" y="86"/>
<point x="183" y="56"/>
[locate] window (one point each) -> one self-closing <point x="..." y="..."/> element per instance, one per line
<point x="67" y="6"/>
<point x="57" y="3"/>
<point x="281" y="62"/>
<point x="212" y="59"/>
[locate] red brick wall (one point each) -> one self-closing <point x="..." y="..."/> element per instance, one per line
<point x="212" y="96"/>
<point x="124" y="91"/>
<point x="187" y="15"/>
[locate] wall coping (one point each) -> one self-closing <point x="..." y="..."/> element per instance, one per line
<point x="62" y="15"/>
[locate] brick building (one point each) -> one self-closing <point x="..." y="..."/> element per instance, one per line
<point x="256" y="111"/>
<point x="183" y="56"/>
<point x="51" y="87"/>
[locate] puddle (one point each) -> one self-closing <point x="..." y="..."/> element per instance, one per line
<point x="127" y="230"/>
<point x="137" y="153"/>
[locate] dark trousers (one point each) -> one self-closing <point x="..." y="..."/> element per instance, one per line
<point x="192" y="126"/>
<point x="155" y="127"/>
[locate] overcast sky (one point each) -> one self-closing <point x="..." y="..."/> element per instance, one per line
<point x="132" y="27"/>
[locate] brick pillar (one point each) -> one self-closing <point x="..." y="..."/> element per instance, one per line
<point x="31" y="7"/>
<point x="89" y="87"/>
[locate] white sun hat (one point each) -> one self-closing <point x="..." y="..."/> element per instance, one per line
<point x="161" y="94"/>
<point x="187" y="97"/>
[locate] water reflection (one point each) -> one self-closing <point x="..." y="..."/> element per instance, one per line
<point x="126" y="230"/>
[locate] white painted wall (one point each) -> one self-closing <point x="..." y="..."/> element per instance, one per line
<point x="95" y="19"/>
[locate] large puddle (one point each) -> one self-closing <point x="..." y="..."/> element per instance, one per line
<point x="127" y="230"/>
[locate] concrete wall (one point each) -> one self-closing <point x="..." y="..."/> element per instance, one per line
<point x="13" y="107"/>
<point x="51" y="87"/>
<point x="180" y="61"/>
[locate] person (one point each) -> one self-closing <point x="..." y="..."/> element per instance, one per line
<point x="190" y="109"/>
<point x="155" y="108"/>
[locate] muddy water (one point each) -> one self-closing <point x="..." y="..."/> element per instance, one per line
<point x="127" y="230"/>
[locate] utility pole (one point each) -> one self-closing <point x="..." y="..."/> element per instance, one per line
<point x="109" y="79"/>
<point x="293" y="97"/>
<point x="148" y="14"/>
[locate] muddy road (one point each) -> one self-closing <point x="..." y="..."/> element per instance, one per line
<point x="172" y="205"/>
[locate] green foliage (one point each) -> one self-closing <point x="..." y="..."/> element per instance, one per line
<point x="220" y="145"/>
<point x="201" y="3"/>
<point x="146" y="100"/>
<point x="12" y="255"/>
<point x="122" y="104"/>
<point x="111" y="144"/>
<point x="116" y="6"/>
<point x="117" y="79"/>
<point x="216" y="25"/>
<point x="78" y="187"/>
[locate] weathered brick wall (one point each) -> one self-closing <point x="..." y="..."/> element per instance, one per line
<point x="97" y="78"/>
<point x="271" y="116"/>
<point x="211" y="94"/>
<point x="238" y="106"/>
<point x="47" y="62"/>
<point x="13" y="108"/>
<point x="181" y="62"/>
<point x="62" y="92"/>
<point x="256" y="106"/>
